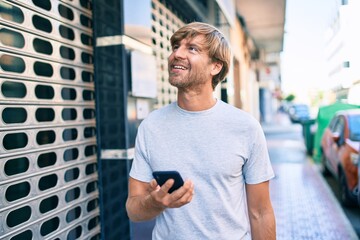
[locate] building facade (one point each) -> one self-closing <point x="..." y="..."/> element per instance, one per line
<point x="342" y="46"/>
<point x="76" y="79"/>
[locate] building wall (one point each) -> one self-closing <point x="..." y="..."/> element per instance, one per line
<point x="342" y="48"/>
<point x="164" y="24"/>
<point x="246" y="89"/>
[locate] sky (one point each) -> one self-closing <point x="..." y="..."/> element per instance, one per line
<point x="303" y="58"/>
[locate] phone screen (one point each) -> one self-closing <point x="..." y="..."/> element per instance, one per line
<point x="162" y="176"/>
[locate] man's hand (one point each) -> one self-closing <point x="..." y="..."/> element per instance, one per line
<point x="147" y="200"/>
<point x="162" y="199"/>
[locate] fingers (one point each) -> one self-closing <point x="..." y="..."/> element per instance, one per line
<point x="183" y="195"/>
<point x="166" y="186"/>
<point x="160" y="195"/>
<point x="178" y="198"/>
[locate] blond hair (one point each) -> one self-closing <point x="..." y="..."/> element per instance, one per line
<point x="217" y="46"/>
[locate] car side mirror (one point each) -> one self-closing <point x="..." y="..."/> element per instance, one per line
<point x="335" y="136"/>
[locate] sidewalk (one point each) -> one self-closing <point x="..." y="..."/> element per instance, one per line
<point x="304" y="205"/>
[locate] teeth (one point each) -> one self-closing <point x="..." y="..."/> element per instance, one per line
<point x="179" y="67"/>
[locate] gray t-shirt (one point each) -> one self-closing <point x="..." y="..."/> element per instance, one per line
<point x="219" y="149"/>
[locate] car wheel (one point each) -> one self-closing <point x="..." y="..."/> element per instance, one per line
<point x="346" y="197"/>
<point x="324" y="169"/>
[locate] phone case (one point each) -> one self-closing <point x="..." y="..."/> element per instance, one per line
<point x="162" y="176"/>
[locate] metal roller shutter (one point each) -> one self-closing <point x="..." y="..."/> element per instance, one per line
<point x="48" y="158"/>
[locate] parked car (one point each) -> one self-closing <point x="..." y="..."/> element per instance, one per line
<point x="340" y="152"/>
<point x="298" y="113"/>
<point x="359" y="181"/>
<point x="323" y="118"/>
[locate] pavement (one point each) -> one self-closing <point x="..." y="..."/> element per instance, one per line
<point x="304" y="205"/>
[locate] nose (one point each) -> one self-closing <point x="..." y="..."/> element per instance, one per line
<point x="180" y="52"/>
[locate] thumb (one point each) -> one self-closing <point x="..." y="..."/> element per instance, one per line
<point x="154" y="185"/>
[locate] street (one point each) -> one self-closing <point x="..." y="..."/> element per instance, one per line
<point x="305" y="203"/>
<point x="353" y="214"/>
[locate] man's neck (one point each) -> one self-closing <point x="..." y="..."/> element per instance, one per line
<point x="196" y="101"/>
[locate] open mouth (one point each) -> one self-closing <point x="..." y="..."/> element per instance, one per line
<point x="179" y="67"/>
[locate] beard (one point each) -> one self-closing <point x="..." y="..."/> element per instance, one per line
<point x="188" y="80"/>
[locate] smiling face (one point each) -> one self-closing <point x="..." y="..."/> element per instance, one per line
<point x="190" y="64"/>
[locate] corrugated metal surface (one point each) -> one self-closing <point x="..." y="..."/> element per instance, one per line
<point x="48" y="159"/>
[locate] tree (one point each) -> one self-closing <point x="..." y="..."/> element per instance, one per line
<point x="289" y="98"/>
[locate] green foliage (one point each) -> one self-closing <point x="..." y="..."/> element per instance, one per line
<point x="289" y="98"/>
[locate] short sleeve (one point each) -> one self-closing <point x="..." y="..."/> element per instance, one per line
<point x="140" y="169"/>
<point x="257" y="167"/>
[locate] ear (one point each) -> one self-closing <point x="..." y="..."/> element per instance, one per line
<point x="216" y="68"/>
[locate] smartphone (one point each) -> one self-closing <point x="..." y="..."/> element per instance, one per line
<point x="162" y="176"/>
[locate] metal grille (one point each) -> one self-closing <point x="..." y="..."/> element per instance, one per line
<point x="164" y="24"/>
<point x="48" y="159"/>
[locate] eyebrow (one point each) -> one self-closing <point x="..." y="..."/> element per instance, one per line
<point x="190" y="42"/>
<point x="198" y="46"/>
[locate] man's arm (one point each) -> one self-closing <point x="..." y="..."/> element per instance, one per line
<point x="147" y="200"/>
<point x="261" y="213"/>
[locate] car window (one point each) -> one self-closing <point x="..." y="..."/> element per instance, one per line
<point x="332" y="124"/>
<point x="354" y="127"/>
<point x="340" y="125"/>
<point x="339" y="128"/>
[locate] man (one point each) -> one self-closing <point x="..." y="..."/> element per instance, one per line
<point x="219" y="149"/>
